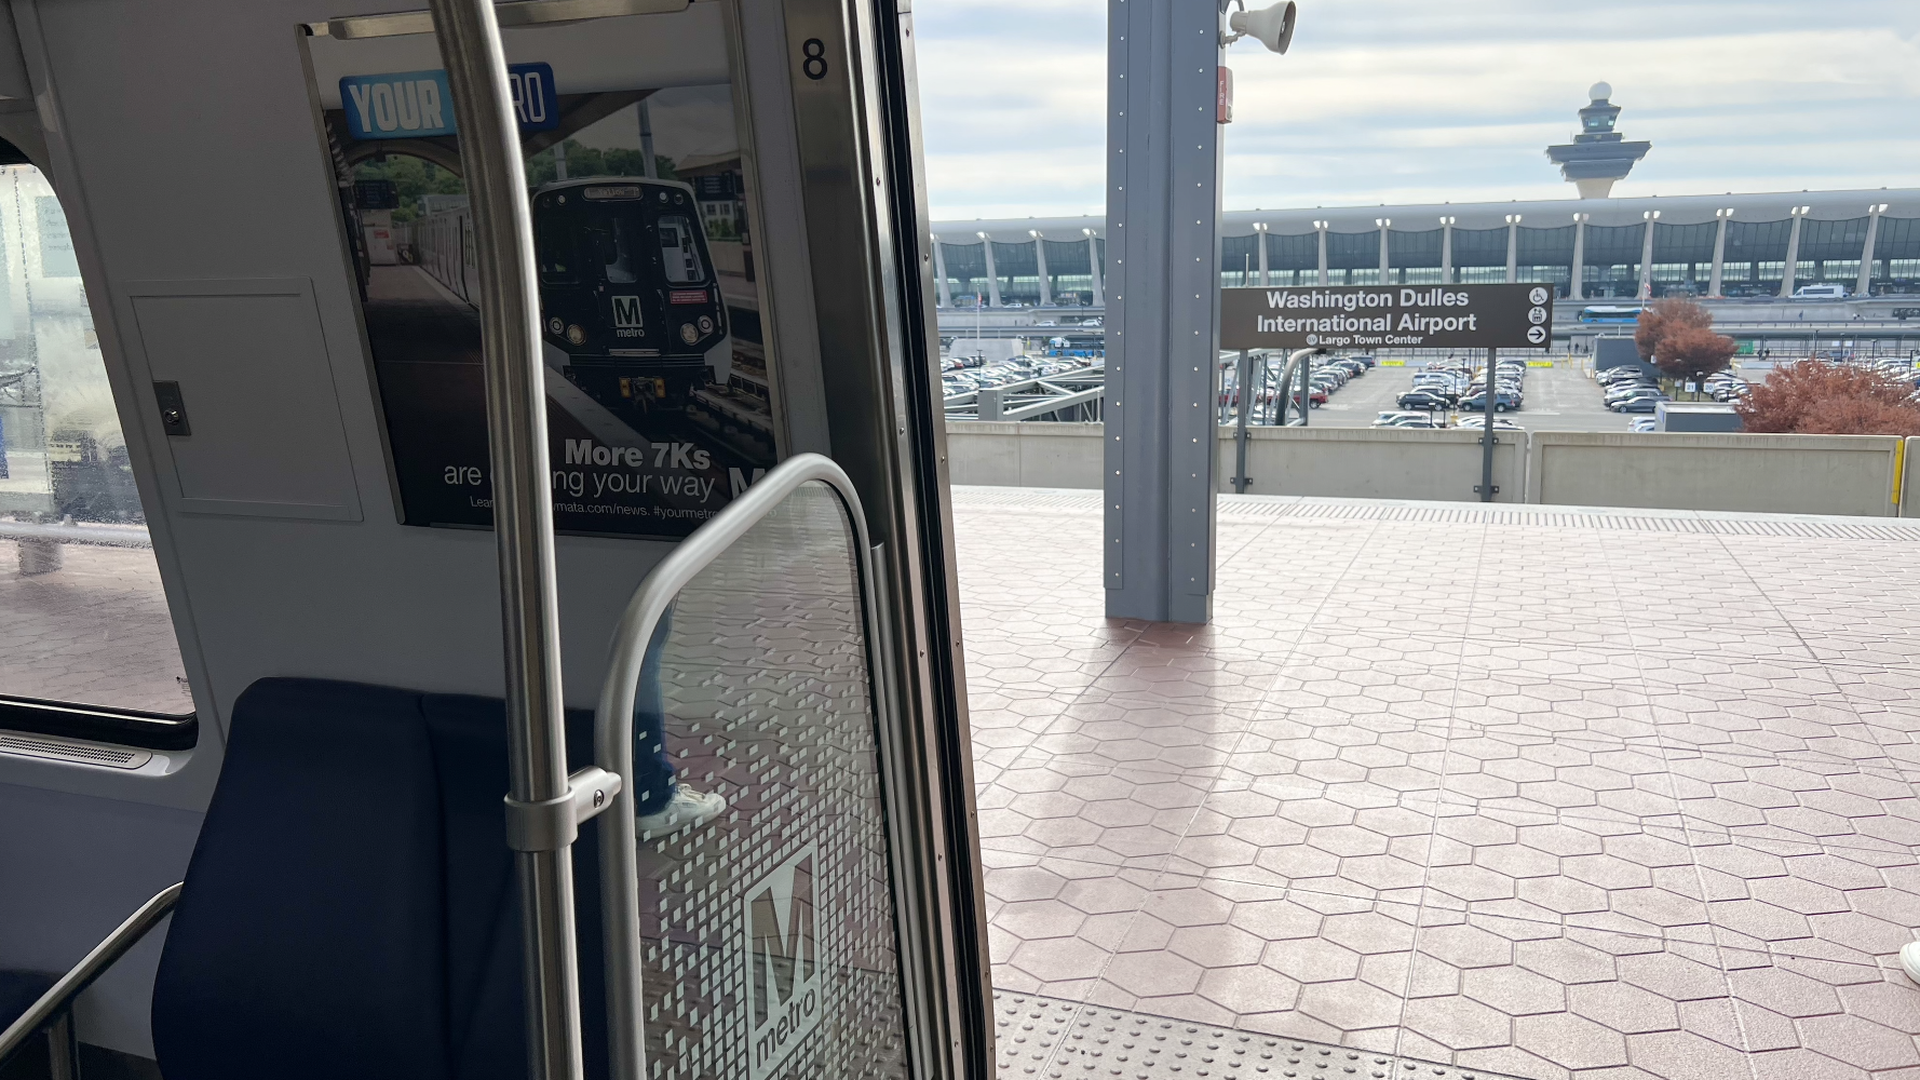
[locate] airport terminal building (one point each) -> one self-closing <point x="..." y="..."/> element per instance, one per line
<point x="1706" y="245"/>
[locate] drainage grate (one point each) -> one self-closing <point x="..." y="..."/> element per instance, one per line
<point x="1048" y="1037"/>
<point x="113" y="757"/>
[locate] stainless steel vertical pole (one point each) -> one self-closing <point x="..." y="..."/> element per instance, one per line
<point x="522" y="519"/>
<point x="1486" y="432"/>
<point x="1243" y="394"/>
<point x="1306" y="388"/>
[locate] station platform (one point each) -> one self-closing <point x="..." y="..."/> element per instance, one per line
<point x="1531" y="792"/>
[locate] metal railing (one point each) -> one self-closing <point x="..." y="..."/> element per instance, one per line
<point x="53" y="1012"/>
<point x="613" y="720"/>
<point x="1074" y="393"/>
<point x="1246" y="400"/>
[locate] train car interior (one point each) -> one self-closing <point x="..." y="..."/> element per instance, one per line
<point x="484" y="601"/>
<point x="486" y="524"/>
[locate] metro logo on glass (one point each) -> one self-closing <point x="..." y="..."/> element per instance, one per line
<point x="785" y="971"/>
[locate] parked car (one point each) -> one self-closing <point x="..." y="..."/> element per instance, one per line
<point x="1645" y="404"/>
<point x="1502" y="402"/>
<point x="1641" y="423"/>
<point x="1614" y="375"/>
<point x="1402" y="419"/>
<point x="1479" y="423"/>
<point x="1423" y="399"/>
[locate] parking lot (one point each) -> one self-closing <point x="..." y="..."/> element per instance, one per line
<point x="1559" y="398"/>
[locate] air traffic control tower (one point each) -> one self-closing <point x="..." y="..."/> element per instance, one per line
<point x="1597" y="156"/>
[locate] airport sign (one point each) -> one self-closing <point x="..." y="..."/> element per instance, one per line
<point x="1387" y="317"/>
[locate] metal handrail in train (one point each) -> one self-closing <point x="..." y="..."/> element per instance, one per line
<point x="613" y="719"/>
<point x="54" y="1009"/>
<point x="544" y="806"/>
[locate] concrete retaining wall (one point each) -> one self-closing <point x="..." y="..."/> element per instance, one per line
<point x="1856" y="475"/>
<point x="1015" y="454"/>
<point x="1779" y="474"/>
<point x="1375" y="463"/>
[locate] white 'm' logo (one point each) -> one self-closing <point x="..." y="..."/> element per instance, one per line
<point x="785" y="965"/>
<point x="626" y="311"/>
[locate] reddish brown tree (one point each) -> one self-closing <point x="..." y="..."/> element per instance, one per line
<point x="1694" y="352"/>
<point x="1817" y="398"/>
<point x="1665" y="317"/>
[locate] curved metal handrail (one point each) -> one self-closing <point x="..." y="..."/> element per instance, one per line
<point x="613" y="721"/>
<point x="91" y="966"/>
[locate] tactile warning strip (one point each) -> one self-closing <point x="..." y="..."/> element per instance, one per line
<point x="1240" y="509"/>
<point x="1062" y="1040"/>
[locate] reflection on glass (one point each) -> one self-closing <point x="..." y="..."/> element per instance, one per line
<point x="767" y="935"/>
<point x="79" y="622"/>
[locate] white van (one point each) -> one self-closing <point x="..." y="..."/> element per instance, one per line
<point x="1820" y="292"/>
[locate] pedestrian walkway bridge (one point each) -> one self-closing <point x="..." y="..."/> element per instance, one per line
<point x="1451" y="791"/>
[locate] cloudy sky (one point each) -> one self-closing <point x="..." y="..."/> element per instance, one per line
<point x="1427" y="100"/>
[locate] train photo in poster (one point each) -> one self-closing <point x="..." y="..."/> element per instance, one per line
<point x="627" y="287"/>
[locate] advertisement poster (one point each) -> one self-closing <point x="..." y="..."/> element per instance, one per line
<point x="659" y="409"/>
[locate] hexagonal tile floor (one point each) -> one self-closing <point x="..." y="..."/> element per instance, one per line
<point x="1528" y="792"/>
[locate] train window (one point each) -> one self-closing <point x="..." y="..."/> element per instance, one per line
<point x="83" y="618"/>
<point x="618" y="243"/>
<point x="555" y="243"/>
<point x="679" y="252"/>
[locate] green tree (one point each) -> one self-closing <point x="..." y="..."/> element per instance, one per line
<point x="585" y="161"/>
<point x="412" y="177"/>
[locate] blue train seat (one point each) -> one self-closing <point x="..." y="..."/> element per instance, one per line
<point x="350" y="908"/>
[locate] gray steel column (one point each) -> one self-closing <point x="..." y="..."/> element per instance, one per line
<point x="1261" y="232"/>
<point x="993" y="277"/>
<point x="1645" y="292"/>
<point x="1577" y="279"/>
<point x="1865" y="285"/>
<point x="1446" y="250"/>
<point x="1513" y="248"/>
<point x="516" y="401"/>
<point x="1040" y="261"/>
<point x="1386" y="268"/>
<point x="1791" y="271"/>
<point x="1716" y="275"/>
<point x="940" y="273"/>
<point x="1320" y="228"/>
<point x="1163" y="211"/>
<point x="1093" y="265"/>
